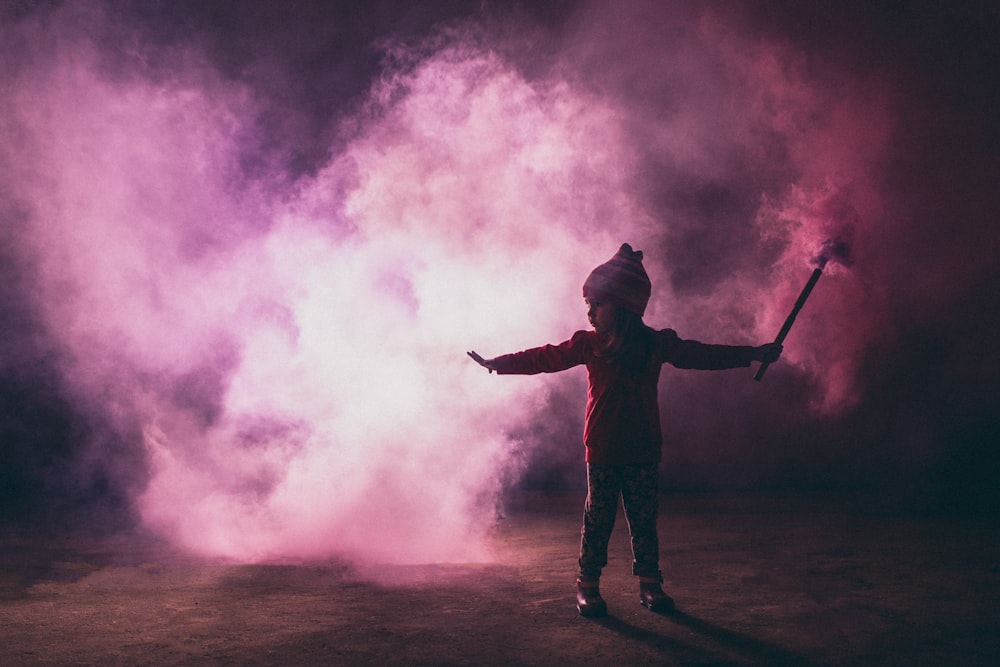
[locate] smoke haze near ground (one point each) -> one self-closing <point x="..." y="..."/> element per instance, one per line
<point x="247" y="249"/>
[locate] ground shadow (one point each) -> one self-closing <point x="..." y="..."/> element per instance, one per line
<point x="720" y="645"/>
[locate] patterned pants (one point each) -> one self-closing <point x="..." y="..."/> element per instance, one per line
<point x="638" y="487"/>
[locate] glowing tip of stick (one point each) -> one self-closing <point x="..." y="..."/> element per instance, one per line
<point x="834" y="250"/>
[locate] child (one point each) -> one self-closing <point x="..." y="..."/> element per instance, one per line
<point x="622" y="428"/>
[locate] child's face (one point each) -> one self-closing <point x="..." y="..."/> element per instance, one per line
<point x="603" y="315"/>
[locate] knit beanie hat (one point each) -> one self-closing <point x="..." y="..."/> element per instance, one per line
<point x="621" y="280"/>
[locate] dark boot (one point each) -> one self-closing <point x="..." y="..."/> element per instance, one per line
<point x="652" y="597"/>
<point x="588" y="598"/>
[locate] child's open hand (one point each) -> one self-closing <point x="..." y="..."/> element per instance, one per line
<point x="485" y="363"/>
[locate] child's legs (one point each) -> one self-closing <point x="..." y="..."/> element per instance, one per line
<point x="603" y="490"/>
<point x="640" y="496"/>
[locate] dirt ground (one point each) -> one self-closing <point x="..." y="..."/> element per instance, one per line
<point x="762" y="581"/>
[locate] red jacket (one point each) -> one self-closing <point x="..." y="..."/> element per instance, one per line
<point x="623" y="417"/>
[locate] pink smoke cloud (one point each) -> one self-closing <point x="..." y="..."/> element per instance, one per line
<point x="300" y="382"/>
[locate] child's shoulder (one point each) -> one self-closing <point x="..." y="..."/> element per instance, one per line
<point x="663" y="338"/>
<point x="584" y="339"/>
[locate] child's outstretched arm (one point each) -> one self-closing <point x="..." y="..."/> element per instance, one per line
<point x="544" y="359"/>
<point x="704" y="356"/>
<point x="485" y="363"/>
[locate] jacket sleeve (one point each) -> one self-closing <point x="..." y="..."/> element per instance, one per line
<point x="545" y="359"/>
<point x="700" y="356"/>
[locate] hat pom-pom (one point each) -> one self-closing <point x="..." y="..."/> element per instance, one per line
<point x="626" y="249"/>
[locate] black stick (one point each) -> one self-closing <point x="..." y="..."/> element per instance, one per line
<point x="791" y="317"/>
